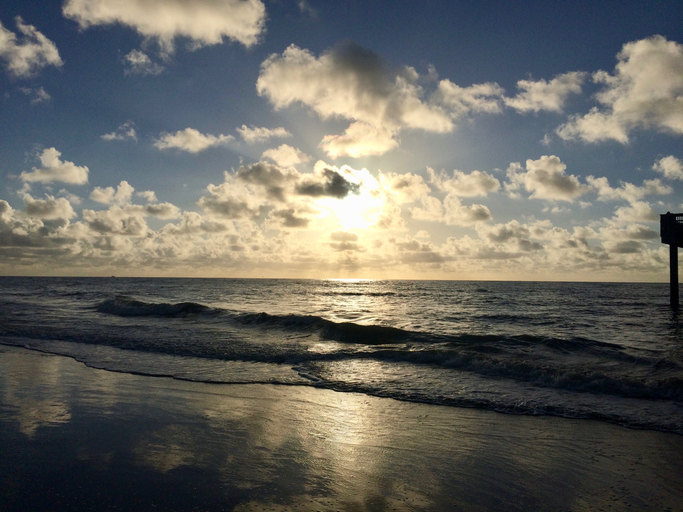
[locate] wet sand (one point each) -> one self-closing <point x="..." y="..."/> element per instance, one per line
<point x="77" y="438"/>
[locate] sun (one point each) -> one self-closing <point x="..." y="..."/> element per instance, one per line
<point x="360" y="209"/>
<point x="354" y="211"/>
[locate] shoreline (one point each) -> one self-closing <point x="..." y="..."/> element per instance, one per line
<point x="78" y="438"/>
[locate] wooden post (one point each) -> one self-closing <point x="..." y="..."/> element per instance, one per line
<point x="671" y="231"/>
<point x="673" y="267"/>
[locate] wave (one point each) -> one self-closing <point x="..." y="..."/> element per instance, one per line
<point x="313" y="373"/>
<point x="346" y="332"/>
<point x="126" y="306"/>
<point x="359" y="294"/>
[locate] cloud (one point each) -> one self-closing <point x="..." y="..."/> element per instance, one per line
<point x="328" y="183"/>
<point x="149" y="195"/>
<point x="545" y="179"/>
<point x="595" y="126"/>
<point x="627" y="247"/>
<point x="40" y="95"/>
<point x="462" y="101"/>
<point x="163" y="211"/>
<point x="252" y="135"/>
<point x="458" y="214"/>
<point x="639" y="211"/>
<point x="358" y="140"/>
<point x="451" y="211"/>
<point x="233" y="199"/>
<point x="627" y="191"/>
<point x="344" y="241"/>
<point x="122" y="195"/>
<point x="286" y="156"/>
<point x="305" y="8"/>
<point x="124" y="132"/>
<point x="138" y="62"/>
<point x="190" y="140"/>
<point x="289" y="219"/>
<point x="670" y="166"/>
<point x="645" y="91"/>
<point x="203" y="22"/>
<point x="127" y="220"/>
<point x="53" y="169"/>
<point x="351" y="82"/>
<point x="404" y="188"/>
<point x="477" y="183"/>
<point x="49" y="208"/>
<point x="26" y="57"/>
<point x="543" y="95"/>
<point x="192" y="223"/>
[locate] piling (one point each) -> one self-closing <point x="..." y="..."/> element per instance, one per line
<point x="671" y="231"/>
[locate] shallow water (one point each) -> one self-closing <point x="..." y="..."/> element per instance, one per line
<point x="588" y="350"/>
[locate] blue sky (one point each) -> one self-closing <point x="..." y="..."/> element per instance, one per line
<point x="434" y="139"/>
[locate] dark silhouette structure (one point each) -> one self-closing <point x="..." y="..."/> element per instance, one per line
<point x="671" y="231"/>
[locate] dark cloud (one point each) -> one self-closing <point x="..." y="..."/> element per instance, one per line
<point x="290" y="220"/>
<point x="269" y="176"/>
<point x="227" y="207"/>
<point x="332" y="184"/>
<point x="628" y="247"/>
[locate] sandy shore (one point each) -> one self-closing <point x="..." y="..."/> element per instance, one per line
<point x="76" y="438"/>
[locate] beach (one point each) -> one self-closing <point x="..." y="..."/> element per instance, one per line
<point x="79" y="438"/>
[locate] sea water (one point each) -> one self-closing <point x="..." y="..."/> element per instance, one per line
<point x="605" y="351"/>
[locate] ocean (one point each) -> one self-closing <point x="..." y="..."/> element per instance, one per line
<point x="606" y="351"/>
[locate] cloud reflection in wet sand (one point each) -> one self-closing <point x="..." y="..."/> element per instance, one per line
<point x="260" y="447"/>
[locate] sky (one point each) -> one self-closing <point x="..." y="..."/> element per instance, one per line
<point x="437" y="139"/>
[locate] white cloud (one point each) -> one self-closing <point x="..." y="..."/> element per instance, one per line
<point x="670" y="166"/>
<point x="190" y="140"/>
<point x="352" y="83"/>
<point x="543" y="95"/>
<point x="639" y="211"/>
<point x="477" y="183"/>
<point x="53" y="169"/>
<point x="121" y="196"/>
<point x="404" y="188"/>
<point x="358" y="140"/>
<point x="192" y="223"/>
<point x="286" y="156"/>
<point x="645" y="91"/>
<point x="73" y="198"/>
<point x="627" y="191"/>
<point x="458" y="214"/>
<point x="128" y="221"/>
<point x="40" y="95"/>
<point x="451" y="211"/>
<point x="25" y="57"/>
<point x="163" y="210"/>
<point x="49" y="208"/>
<point x="232" y="199"/>
<point x="123" y="132"/>
<point x="252" y="135"/>
<point x="461" y="101"/>
<point x="149" y="195"/>
<point x="595" y="126"/>
<point x="545" y="179"/>
<point x="203" y="22"/>
<point x="138" y="62"/>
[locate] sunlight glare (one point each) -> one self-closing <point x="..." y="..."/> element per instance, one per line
<point x="356" y="211"/>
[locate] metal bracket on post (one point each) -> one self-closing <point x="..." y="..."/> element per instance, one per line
<point x="671" y="231"/>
